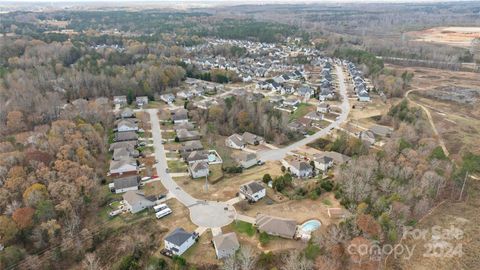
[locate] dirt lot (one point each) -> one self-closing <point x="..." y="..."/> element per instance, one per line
<point x="227" y="188"/>
<point x="454" y="36"/>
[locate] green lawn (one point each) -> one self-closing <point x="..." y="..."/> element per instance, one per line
<point x="302" y="110"/>
<point x="244" y="227"/>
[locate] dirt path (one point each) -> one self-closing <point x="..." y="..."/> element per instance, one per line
<point x="430" y="119"/>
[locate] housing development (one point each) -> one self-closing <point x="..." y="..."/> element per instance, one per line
<point x="211" y="136"/>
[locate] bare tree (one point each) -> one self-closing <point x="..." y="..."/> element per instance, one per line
<point x="246" y="258"/>
<point x="296" y="261"/>
<point x="91" y="262"/>
<point x="230" y="263"/>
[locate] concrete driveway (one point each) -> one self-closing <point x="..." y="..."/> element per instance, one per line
<point x="278" y="154"/>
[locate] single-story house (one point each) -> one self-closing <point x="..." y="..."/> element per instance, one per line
<point x="191" y="146"/>
<point x="382" y="131"/>
<point x="300" y="168"/>
<point x="141" y="101"/>
<point x="136" y="201"/>
<point x="178" y="241"/>
<point x="126" y="125"/>
<point x="246" y="159"/>
<point x="180" y="116"/>
<point x="120" y="100"/>
<point x="126" y="136"/>
<point x="296" y="126"/>
<point x="198" y="169"/>
<point x="197" y="156"/>
<point x="124" y="184"/>
<point x="253" y="191"/>
<point x="235" y="141"/>
<point x="188" y="135"/>
<point x="183" y="125"/>
<point x="323" y="162"/>
<point x="123" y="166"/>
<point x="277" y="226"/>
<point x="314" y="116"/>
<point x="127" y="113"/>
<point x="252" y="138"/>
<point x="225" y="245"/>
<point x="291" y="102"/>
<point x="367" y="136"/>
<point x="122" y="153"/>
<point x="129" y="145"/>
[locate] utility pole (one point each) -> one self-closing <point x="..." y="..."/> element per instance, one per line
<point x="206" y="183"/>
<point x="463" y="186"/>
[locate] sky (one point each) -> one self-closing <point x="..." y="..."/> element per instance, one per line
<point x="228" y="1"/>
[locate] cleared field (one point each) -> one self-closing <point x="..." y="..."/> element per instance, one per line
<point x="453" y="36"/>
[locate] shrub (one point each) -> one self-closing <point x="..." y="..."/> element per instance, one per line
<point x="264" y="238"/>
<point x="327" y="185"/>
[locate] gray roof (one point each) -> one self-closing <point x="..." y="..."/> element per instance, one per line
<point x="237" y="139"/>
<point x="115" y="164"/>
<point x="197" y="155"/>
<point x="252" y="187"/>
<point x="126" y="136"/>
<point x="134" y="197"/>
<point x="301" y="165"/>
<point x="125" y="144"/>
<point x="178" y="236"/>
<point x="199" y="166"/>
<point x="323" y="159"/>
<point x="191" y="146"/>
<point x="126" y="182"/>
<point x="226" y="242"/>
<point x="276" y="226"/>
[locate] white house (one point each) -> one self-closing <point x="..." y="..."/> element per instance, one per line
<point x="363" y="96"/>
<point x="246" y="159"/>
<point x="178" y="241"/>
<point x="323" y="107"/>
<point x="235" y="141"/>
<point x="135" y="201"/>
<point x="198" y="169"/>
<point x="225" y="245"/>
<point x="120" y="100"/>
<point x="323" y="162"/>
<point x="315" y="116"/>
<point x="253" y="191"/>
<point x="141" y="101"/>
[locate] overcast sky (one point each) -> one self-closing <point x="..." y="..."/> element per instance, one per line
<point x="232" y="1"/>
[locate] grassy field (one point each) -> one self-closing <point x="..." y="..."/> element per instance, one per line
<point x="302" y="110"/>
<point x="176" y="166"/>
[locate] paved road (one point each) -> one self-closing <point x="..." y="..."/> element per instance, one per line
<point x="278" y="154"/>
<point x="206" y="214"/>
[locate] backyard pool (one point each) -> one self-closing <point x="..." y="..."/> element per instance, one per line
<point x="310" y="226"/>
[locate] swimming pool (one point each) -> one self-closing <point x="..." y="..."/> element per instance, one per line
<point x="310" y="226"/>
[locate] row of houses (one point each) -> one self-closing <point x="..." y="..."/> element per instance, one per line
<point x="359" y="84"/>
<point x="140" y="101"/>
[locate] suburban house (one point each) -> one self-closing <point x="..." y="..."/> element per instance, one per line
<point x="246" y="159"/>
<point x="323" y="107"/>
<point x="300" y="168"/>
<point x="198" y="169"/>
<point x="124" y="184"/>
<point x="178" y="241"/>
<point x="225" y="245"/>
<point x="363" y="96"/>
<point x="184" y="125"/>
<point x="291" y="102"/>
<point x="123" y="166"/>
<point x="187" y="135"/>
<point x="127" y="113"/>
<point x="253" y="191"/>
<point x="129" y="145"/>
<point x="126" y="136"/>
<point x="282" y="227"/>
<point x="323" y="162"/>
<point x="314" y="116"/>
<point x="296" y="126"/>
<point x="190" y="146"/>
<point x="167" y="98"/>
<point x="252" y="138"/>
<point x="197" y="156"/>
<point x="180" y="116"/>
<point x="122" y="153"/>
<point x="141" y="101"/>
<point x="120" y="100"/>
<point x="235" y="141"/>
<point x="126" y="125"/>
<point x="136" y="201"/>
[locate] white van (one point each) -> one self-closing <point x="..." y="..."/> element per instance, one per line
<point x="160" y="207"/>
<point x="165" y="212"/>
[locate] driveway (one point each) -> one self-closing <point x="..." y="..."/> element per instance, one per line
<point x="278" y="154"/>
<point x="208" y="214"/>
